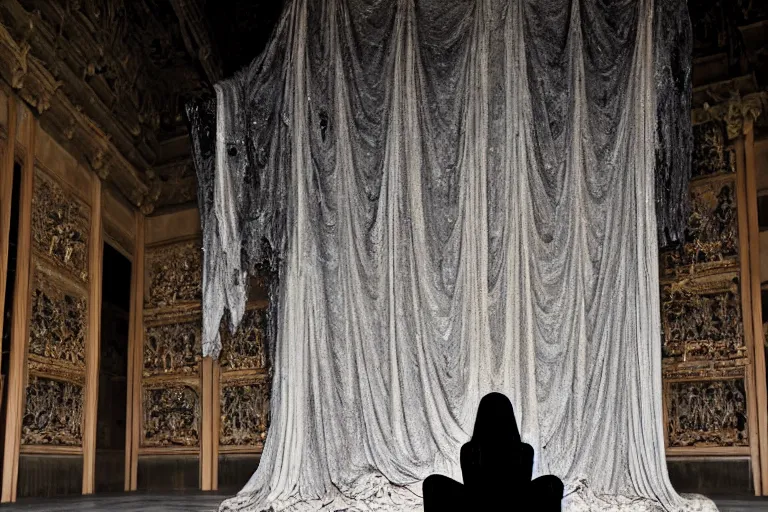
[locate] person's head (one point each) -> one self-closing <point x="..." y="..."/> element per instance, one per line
<point x="496" y="419"/>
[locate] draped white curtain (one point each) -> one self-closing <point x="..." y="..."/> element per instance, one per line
<point x="461" y="193"/>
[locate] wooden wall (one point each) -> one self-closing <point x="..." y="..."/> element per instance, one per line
<point x="65" y="213"/>
<point x="195" y="411"/>
<point x="713" y="363"/>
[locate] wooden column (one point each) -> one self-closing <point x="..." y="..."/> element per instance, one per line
<point x="206" y="437"/>
<point x="19" y="321"/>
<point x="6" y="195"/>
<point x="93" y="343"/>
<point x="748" y="308"/>
<point x="758" y="351"/>
<point x="135" y="362"/>
<point x="216" y="421"/>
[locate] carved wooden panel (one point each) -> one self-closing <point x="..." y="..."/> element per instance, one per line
<point x="175" y="274"/>
<point x="246" y="349"/>
<point x="171" y="416"/>
<point x="59" y="321"/>
<point x="707" y="413"/>
<point x="712" y="237"/>
<point x="53" y="413"/>
<point x="244" y="414"/>
<point x="60" y="227"/>
<point x="711" y="153"/>
<point x="702" y="321"/>
<point x="173" y="348"/>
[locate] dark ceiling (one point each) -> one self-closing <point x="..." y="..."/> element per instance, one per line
<point x="241" y="28"/>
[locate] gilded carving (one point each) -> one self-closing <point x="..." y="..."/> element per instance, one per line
<point x="711" y="154"/>
<point x="702" y="322"/>
<point x="244" y="414"/>
<point x="60" y="227"/>
<point x="737" y="113"/>
<point x="712" y="236"/>
<point x="58" y="324"/>
<point x="171" y="416"/>
<point x="175" y="274"/>
<point x="173" y="348"/>
<point x="245" y="349"/>
<point x="53" y="414"/>
<point x="707" y="413"/>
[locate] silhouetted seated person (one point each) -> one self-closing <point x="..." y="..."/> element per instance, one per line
<point x="497" y="468"/>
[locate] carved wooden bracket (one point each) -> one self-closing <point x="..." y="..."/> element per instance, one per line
<point x="738" y="113"/>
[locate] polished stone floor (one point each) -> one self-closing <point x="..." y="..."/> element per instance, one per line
<point x="208" y="502"/>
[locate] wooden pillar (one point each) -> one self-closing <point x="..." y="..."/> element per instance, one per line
<point x="758" y="351"/>
<point x="19" y="321"/>
<point x="6" y="195"/>
<point x="93" y="342"/>
<point x="206" y="438"/>
<point x="135" y="361"/>
<point x="215" y="420"/>
<point x="748" y="308"/>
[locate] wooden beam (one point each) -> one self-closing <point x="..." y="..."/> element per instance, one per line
<point x="708" y="451"/>
<point x="757" y="350"/>
<point x="93" y="342"/>
<point x="135" y="361"/>
<point x="19" y="320"/>
<point x="197" y="37"/>
<point x="6" y="198"/>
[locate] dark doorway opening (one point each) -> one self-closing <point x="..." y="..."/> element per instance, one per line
<point x="113" y="371"/>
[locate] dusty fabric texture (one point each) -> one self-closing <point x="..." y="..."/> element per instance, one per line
<point x="462" y="197"/>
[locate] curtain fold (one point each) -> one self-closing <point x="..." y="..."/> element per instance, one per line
<point x="458" y="197"/>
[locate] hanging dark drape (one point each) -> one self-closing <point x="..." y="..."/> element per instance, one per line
<point x="462" y="197"/>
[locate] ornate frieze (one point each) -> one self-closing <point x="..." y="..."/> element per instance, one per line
<point x="712" y="237"/>
<point x="244" y="414"/>
<point x="58" y="325"/>
<point x="702" y="321"/>
<point x="707" y="413"/>
<point x="737" y="113"/>
<point x="175" y="274"/>
<point x="53" y="414"/>
<point x="171" y="416"/>
<point x="246" y="349"/>
<point x="60" y="227"/>
<point x="173" y="348"/>
<point x="711" y="152"/>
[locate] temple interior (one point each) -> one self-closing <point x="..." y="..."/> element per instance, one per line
<point x="104" y="389"/>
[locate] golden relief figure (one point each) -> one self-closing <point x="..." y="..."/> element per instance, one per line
<point x="702" y="322"/>
<point x="60" y="227"/>
<point x="712" y="237"/>
<point x="53" y="414"/>
<point x="244" y="414"/>
<point x="246" y="349"/>
<point x="173" y="348"/>
<point x="707" y="413"/>
<point x="175" y="274"/>
<point x="171" y="416"/>
<point x="58" y="325"/>
<point x="711" y="153"/>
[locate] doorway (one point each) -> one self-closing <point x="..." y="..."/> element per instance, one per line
<point x="113" y="371"/>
